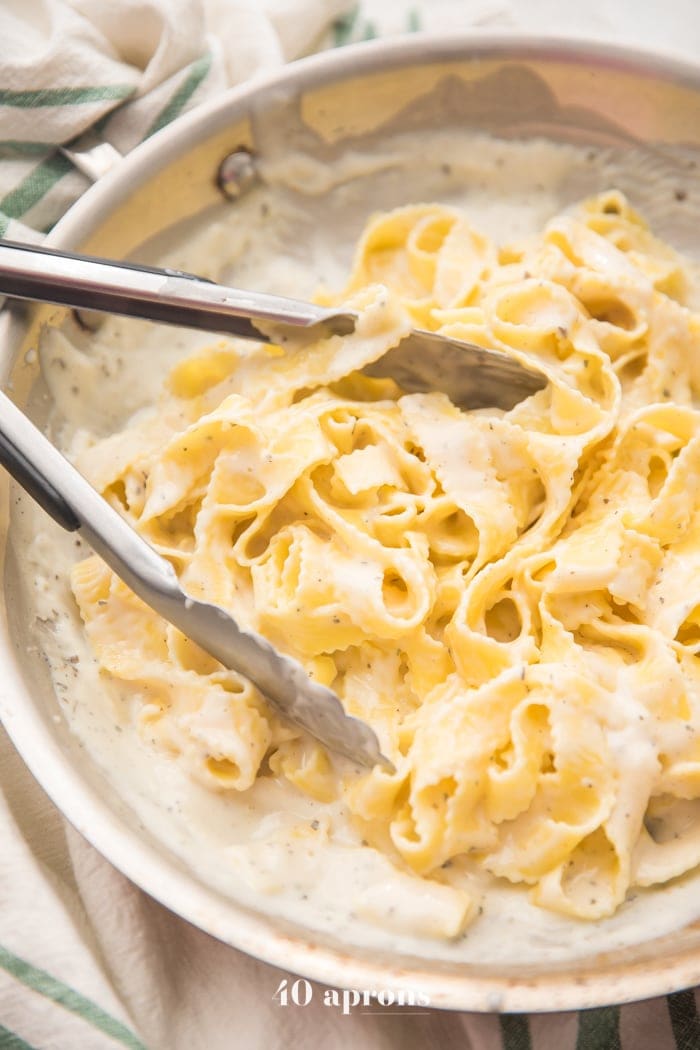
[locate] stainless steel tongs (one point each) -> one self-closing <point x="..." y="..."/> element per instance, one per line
<point x="472" y="376"/>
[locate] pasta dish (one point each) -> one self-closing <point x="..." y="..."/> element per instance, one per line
<point x="508" y="598"/>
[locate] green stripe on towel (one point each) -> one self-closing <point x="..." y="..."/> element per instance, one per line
<point x="198" y="71"/>
<point x="344" y="27"/>
<point x="42" y="982"/>
<point x="65" y="96"/>
<point x="515" y="1032"/>
<point x="599" y="1029"/>
<point x="413" y="20"/>
<point x="35" y="185"/>
<point x="33" y="149"/>
<point x="684" y="1020"/>
<point x="11" y="1041"/>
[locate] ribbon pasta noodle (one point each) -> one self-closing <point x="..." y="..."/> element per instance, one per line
<point x="511" y="599"/>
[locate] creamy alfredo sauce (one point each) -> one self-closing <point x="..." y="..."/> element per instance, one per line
<point x="273" y="848"/>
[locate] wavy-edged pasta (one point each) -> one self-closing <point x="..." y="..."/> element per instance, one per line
<point x="511" y="599"/>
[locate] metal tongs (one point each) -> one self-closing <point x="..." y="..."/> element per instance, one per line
<point x="472" y="376"/>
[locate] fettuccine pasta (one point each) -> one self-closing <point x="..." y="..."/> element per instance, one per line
<point x="511" y="599"/>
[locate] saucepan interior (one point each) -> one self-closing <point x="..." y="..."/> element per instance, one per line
<point x="340" y="136"/>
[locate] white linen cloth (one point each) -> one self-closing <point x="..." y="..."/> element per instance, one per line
<point x="88" y="961"/>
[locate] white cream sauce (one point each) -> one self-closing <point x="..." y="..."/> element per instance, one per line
<point x="272" y="848"/>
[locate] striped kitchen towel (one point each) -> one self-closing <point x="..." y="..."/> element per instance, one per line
<point x="87" y="961"/>
<point x="124" y="68"/>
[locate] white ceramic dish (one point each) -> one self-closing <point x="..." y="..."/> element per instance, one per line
<point x="640" y="114"/>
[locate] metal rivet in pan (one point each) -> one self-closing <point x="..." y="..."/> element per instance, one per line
<point x="237" y="174"/>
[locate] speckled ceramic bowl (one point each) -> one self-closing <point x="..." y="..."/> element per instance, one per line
<point x="644" y="110"/>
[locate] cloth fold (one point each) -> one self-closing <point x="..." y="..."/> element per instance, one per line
<point x="88" y="961"/>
